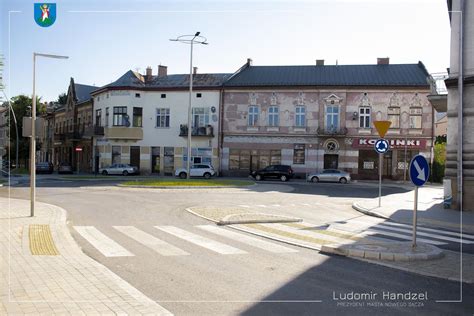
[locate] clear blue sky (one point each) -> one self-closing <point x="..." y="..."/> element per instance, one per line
<point x="102" y="45"/>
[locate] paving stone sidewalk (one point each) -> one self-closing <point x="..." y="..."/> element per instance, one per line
<point x="67" y="283"/>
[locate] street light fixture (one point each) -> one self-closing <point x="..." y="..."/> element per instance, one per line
<point x="33" y="132"/>
<point x="190" y="39"/>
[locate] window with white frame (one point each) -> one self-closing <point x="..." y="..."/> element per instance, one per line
<point x="273" y="116"/>
<point x="253" y="115"/>
<point x="120" y="115"/>
<point x="163" y="117"/>
<point x="364" y="117"/>
<point x="300" y="116"/>
<point x="415" y="117"/>
<point x="332" y="117"/>
<point x="200" y="117"/>
<point x="394" y="116"/>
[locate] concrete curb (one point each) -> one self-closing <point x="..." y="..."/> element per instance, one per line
<point x="274" y="219"/>
<point x="384" y="251"/>
<point x="356" y="206"/>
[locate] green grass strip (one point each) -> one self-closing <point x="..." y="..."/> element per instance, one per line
<point x="186" y="183"/>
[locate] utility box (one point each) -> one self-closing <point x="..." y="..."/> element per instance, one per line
<point x="39" y="124"/>
<point x="448" y="194"/>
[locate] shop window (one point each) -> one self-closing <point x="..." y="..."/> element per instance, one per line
<point x="163" y="117"/>
<point x="299" y="154"/>
<point x="245" y="159"/>
<point x="137" y="117"/>
<point x="415" y="117"/>
<point x="234" y="157"/>
<point x="116" y="153"/>
<point x="300" y="116"/>
<point x="364" y="117"/>
<point x="253" y="115"/>
<point x="394" y="117"/>
<point x="273" y="116"/>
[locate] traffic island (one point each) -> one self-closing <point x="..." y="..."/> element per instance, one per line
<point x="233" y="216"/>
<point x="386" y="251"/>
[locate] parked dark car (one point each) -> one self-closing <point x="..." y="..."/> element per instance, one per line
<point x="64" y="167"/>
<point x="44" y="167"/>
<point x="282" y="172"/>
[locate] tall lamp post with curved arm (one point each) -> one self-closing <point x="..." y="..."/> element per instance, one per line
<point x="190" y="39"/>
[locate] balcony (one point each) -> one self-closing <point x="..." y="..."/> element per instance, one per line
<point x="334" y="132"/>
<point x="206" y="131"/>
<point x="122" y="132"/>
<point x="95" y="130"/>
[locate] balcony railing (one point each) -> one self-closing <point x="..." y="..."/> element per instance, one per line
<point x="341" y="131"/>
<point x="207" y="130"/>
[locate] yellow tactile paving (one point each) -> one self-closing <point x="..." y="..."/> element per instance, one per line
<point x="41" y="241"/>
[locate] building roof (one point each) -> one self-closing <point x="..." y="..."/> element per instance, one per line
<point x="132" y="79"/>
<point x="331" y="75"/>
<point x="83" y="92"/>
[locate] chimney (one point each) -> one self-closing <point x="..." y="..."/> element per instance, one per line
<point x="149" y="74"/>
<point x="249" y="62"/>
<point x="319" y="62"/>
<point x="383" y="61"/>
<point x="195" y="70"/>
<point x="162" y="71"/>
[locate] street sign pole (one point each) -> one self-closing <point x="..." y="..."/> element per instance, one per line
<point x="381" y="147"/>
<point x="380" y="179"/>
<point x="415" y="209"/>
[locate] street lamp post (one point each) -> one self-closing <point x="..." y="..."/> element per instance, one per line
<point x="33" y="133"/>
<point x="190" y="39"/>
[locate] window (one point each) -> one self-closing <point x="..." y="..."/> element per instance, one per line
<point x="163" y="95"/>
<point x="245" y="159"/>
<point x="162" y="117"/>
<point x="300" y="116"/>
<point x="364" y="117"/>
<point x="332" y="118"/>
<point x="98" y="117"/>
<point x="137" y="117"/>
<point x="273" y="116"/>
<point x="415" y="117"/>
<point x="253" y="115"/>
<point x="299" y="154"/>
<point x="198" y="95"/>
<point x="200" y="117"/>
<point x="137" y="95"/>
<point x="120" y="116"/>
<point x="106" y="116"/>
<point x="394" y="117"/>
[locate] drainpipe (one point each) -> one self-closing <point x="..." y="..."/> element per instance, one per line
<point x="460" y="108"/>
<point x="220" y="137"/>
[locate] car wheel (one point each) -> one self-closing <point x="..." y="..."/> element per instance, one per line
<point x="343" y="180"/>
<point x="105" y="172"/>
<point x="182" y="175"/>
<point x="283" y="178"/>
<point x="207" y="175"/>
<point x="125" y="173"/>
<point x="315" y="179"/>
<point x="258" y="177"/>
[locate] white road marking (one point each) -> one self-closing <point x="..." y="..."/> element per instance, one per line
<point x="200" y="241"/>
<point x="309" y="233"/>
<point x="101" y="242"/>
<point x="420" y="233"/>
<point x="380" y="232"/>
<point x="150" y="241"/>
<point x="261" y="205"/>
<point x="439" y="231"/>
<point x="255" y="242"/>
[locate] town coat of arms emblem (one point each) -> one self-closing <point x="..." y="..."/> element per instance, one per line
<point x="45" y="14"/>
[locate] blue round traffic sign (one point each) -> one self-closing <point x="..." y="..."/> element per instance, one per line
<point x="419" y="170"/>
<point x="381" y="146"/>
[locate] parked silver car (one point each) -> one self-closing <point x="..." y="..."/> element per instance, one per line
<point x="119" y="168"/>
<point x="201" y="170"/>
<point x="330" y="175"/>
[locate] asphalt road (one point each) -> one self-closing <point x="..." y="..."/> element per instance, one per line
<point x="252" y="283"/>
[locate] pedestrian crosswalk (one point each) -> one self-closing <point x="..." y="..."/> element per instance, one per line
<point x="234" y="242"/>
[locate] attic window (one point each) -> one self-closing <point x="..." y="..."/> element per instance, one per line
<point x="137" y="95"/>
<point x="198" y="95"/>
<point x="163" y="95"/>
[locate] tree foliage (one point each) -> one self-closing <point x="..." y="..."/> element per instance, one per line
<point x="62" y="98"/>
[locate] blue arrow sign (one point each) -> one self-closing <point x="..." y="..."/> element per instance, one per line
<point x="419" y="170"/>
<point x="381" y="146"/>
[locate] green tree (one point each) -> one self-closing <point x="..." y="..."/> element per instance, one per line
<point x="62" y="99"/>
<point x="439" y="161"/>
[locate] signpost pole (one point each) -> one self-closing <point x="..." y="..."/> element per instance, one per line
<point x="415" y="209"/>
<point x="380" y="179"/>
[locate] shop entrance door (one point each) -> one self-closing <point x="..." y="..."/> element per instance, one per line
<point x="387" y="165"/>
<point x="331" y="161"/>
<point x="135" y="156"/>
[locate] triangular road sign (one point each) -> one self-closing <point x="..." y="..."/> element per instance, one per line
<point x="382" y="127"/>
